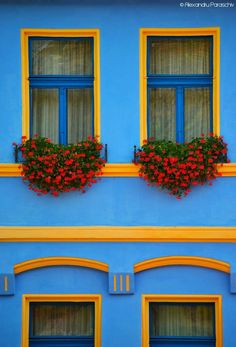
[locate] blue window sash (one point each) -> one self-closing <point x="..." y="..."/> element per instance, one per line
<point x="182" y="342"/>
<point x="179" y="106"/>
<point x="62" y="90"/>
<point x="61" y="341"/>
<point x="180" y="83"/>
<point x="62" y="83"/>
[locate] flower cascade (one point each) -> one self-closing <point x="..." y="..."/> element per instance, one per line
<point x="53" y="169"/>
<point x="176" y="167"/>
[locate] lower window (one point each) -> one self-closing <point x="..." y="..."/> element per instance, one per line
<point x="185" y="324"/>
<point x="64" y="324"/>
<point x="61" y="320"/>
<point x="191" y="321"/>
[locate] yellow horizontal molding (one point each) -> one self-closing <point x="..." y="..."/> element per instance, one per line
<point x="181" y="298"/>
<point x="59" y="261"/>
<point x="86" y="32"/>
<point x="182" y="260"/>
<point x="62" y="297"/>
<point x="9" y="170"/>
<point x="114" y="170"/>
<point x="117" y="234"/>
<point x="179" y="31"/>
<point x="120" y="170"/>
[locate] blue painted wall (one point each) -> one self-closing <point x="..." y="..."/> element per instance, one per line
<point x="114" y="201"/>
<point x="117" y="201"/>
<point x="119" y="23"/>
<point x="121" y="324"/>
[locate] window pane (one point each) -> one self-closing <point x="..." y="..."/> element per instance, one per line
<point x="182" y="320"/>
<point x="162" y="113"/>
<point x="45" y="113"/>
<point x="197" y="112"/>
<point x="63" y="319"/>
<point x="80" y="114"/>
<point x="62" y="57"/>
<point x="180" y="56"/>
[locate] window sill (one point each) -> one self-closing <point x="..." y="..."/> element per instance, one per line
<point x="115" y="170"/>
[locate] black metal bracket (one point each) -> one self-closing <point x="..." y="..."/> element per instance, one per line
<point x="106" y="153"/>
<point x="17" y="154"/>
<point x="135" y="154"/>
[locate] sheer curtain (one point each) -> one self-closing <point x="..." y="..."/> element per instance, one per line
<point x="75" y="319"/>
<point x="45" y="113"/>
<point x="79" y="114"/>
<point x="196" y="112"/>
<point x="162" y="123"/>
<point x="180" y="56"/>
<point x="62" y="57"/>
<point x="182" y="320"/>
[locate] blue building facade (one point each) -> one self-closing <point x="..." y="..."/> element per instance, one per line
<point x="126" y="250"/>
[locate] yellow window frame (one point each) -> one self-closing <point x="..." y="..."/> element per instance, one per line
<point x="28" y="298"/>
<point x="144" y="33"/>
<point x="25" y="35"/>
<point x="147" y="299"/>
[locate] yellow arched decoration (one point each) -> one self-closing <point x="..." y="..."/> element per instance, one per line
<point x="182" y="260"/>
<point x="57" y="261"/>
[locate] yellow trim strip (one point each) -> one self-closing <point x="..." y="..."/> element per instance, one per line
<point x="117" y="234"/>
<point x="216" y="299"/>
<point x="25" y="35"/>
<point x="127" y="283"/>
<point x="115" y="283"/>
<point x="182" y="260"/>
<point x="28" y="298"/>
<point x="57" y="261"/>
<point x="121" y="283"/>
<point x="5" y="283"/>
<point x="144" y="33"/>
<point x="115" y="170"/>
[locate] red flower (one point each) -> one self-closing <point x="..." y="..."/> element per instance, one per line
<point x="176" y="167"/>
<point x="54" y="169"/>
